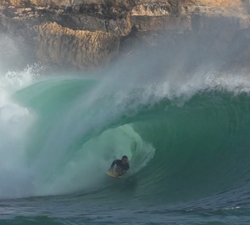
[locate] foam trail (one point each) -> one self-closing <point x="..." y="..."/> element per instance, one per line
<point x="15" y="121"/>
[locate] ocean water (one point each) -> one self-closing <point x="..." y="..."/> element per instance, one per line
<point x="187" y="141"/>
<point x="187" y="137"/>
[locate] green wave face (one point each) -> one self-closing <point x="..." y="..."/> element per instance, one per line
<point x="181" y="146"/>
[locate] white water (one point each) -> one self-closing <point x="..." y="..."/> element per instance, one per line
<point x="15" y="121"/>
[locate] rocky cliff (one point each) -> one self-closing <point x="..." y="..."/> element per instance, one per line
<point x="90" y="33"/>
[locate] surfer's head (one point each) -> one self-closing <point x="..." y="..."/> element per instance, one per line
<point x="124" y="159"/>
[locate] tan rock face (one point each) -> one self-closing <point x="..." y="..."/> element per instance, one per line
<point x="90" y="32"/>
<point x="149" y="9"/>
<point x="19" y="3"/>
<point x="218" y="3"/>
<point x="119" y="16"/>
<point x="83" y="49"/>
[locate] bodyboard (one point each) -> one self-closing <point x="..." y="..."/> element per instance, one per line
<point x="113" y="174"/>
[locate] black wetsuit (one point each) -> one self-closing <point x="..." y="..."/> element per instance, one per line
<point x="121" y="168"/>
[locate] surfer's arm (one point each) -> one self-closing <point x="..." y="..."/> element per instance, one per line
<point x="125" y="169"/>
<point x="112" y="165"/>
